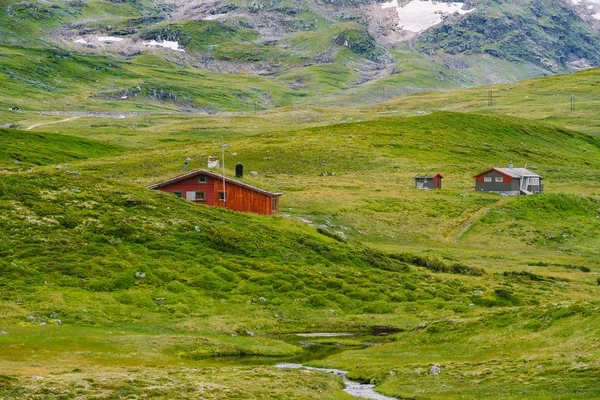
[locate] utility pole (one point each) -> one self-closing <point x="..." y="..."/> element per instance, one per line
<point x="383" y="92"/>
<point x="572" y="103"/>
<point x="490" y="98"/>
<point x="223" y="159"/>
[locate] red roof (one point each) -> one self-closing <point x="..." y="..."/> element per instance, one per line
<point x="429" y="177"/>
<point x="197" y="172"/>
<point x="490" y="170"/>
<point x="511" y="172"/>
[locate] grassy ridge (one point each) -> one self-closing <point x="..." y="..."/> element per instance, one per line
<point x="57" y="80"/>
<point x="108" y="236"/>
<point x="572" y="229"/>
<point x="528" y="353"/>
<point x="126" y="267"/>
<point x="28" y="23"/>
<point x="159" y="285"/>
<point x="24" y="149"/>
<point x="458" y="143"/>
<point x="546" y="99"/>
<point x="357" y="177"/>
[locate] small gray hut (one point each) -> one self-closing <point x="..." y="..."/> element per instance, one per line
<point x="509" y="181"/>
<point x="429" y="182"/>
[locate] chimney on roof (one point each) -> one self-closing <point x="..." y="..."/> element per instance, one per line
<point x="185" y="164"/>
<point x="510" y="165"/>
<point x="239" y="170"/>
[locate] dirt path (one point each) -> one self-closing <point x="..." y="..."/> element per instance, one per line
<point x="460" y="230"/>
<point x="50" y="123"/>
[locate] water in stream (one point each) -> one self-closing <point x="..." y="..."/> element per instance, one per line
<point x="356" y="389"/>
<point x="318" y="350"/>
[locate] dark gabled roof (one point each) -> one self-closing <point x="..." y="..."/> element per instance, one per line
<point x="213" y="175"/>
<point x="511" y="172"/>
<point x="428" y="177"/>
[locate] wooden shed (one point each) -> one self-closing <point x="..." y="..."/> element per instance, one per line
<point x="206" y="187"/>
<point x="509" y="181"/>
<point x="429" y="182"/>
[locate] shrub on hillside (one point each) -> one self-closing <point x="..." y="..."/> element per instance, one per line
<point x="438" y="265"/>
<point x="378" y="307"/>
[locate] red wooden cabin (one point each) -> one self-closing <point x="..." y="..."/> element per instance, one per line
<point x="206" y="187"/>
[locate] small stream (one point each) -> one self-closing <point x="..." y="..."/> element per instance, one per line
<point x="356" y="389"/>
<point x="317" y="349"/>
<point x="321" y="350"/>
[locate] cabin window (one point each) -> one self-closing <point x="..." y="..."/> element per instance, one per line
<point x="202" y="179"/>
<point x="178" y="193"/>
<point x="222" y="196"/>
<point x="487" y="179"/>
<point x="499" y="179"/>
<point x="274" y="204"/>
<point x="200" y="196"/>
<point x="534" y="181"/>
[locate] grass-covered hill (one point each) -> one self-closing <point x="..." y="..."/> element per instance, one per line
<point x="20" y="149"/>
<point x="566" y="101"/>
<point x="56" y="80"/>
<point x="136" y="292"/>
<point x="357" y="177"/>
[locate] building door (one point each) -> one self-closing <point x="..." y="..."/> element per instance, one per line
<point x="190" y="196"/>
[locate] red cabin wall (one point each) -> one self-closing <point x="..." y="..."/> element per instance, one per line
<point x="238" y="198"/>
<point x="191" y="184"/>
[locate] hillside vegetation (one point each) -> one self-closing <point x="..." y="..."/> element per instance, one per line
<point x="272" y="53"/>
<point x="112" y="290"/>
<point x="542" y="32"/>
<point x="85" y="255"/>
<point x="95" y="254"/>
<point x="357" y="177"/>
<point x="23" y="149"/>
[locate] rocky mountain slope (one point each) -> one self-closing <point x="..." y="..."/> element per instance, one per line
<point x="406" y="46"/>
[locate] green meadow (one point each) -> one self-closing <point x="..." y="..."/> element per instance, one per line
<point x="138" y="294"/>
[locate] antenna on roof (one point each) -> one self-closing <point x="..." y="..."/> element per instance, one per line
<point x="223" y="145"/>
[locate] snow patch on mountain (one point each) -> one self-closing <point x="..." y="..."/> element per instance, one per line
<point x="214" y="17"/>
<point x="578" y="2"/>
<point x="110" y="39"/>
<point x="419" y="15"/>
<point x="173" y="45"/>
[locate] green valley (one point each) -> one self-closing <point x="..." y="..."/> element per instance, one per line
<point x="111" y="290"/>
